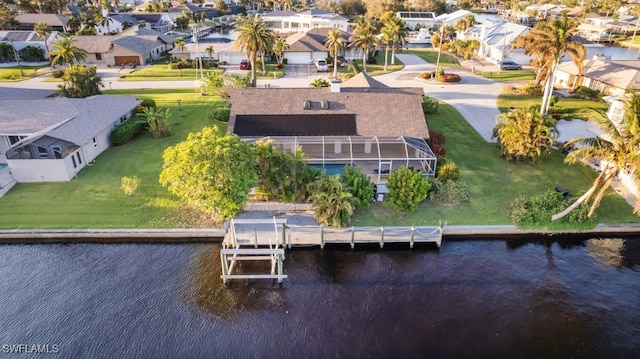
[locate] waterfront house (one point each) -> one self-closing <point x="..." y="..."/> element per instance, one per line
<point x="606" y="76"/>
<point x="304" y="47"/>
<point x="21" y="40"/>
<point x="135" y="45"/>
<point x="290" y="21"/>
<point x="52" y="139"/>
<point x="421" y="19"/>
<point x="361" y="121"/>
<point x="29" y="21"/>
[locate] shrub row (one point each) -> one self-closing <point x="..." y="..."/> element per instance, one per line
<point x="448" y="78"/>
<point x="537" y="210"/>
<point x="127" y="131"/>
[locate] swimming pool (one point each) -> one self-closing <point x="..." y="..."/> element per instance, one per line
<point x="331" y="169"/>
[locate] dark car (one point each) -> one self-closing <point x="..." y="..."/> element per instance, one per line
<point x="510" y="65"/>
<point x="245" y="65"/>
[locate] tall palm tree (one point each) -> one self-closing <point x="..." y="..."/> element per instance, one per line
<point x="253" y="38"/>
<point x="387" y="39"/>
<point x="43" y="30"/>
<point x="209" y="51"/>
<point x="335" y="44"/>
<point x="396" y="31"/>
<point x="365" y="40"/>
<point x="549" y="41"/>
<point x="616" y="150"/>
<point x="66" y="51"/>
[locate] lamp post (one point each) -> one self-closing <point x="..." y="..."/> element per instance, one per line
<point x="178" y="101"/>
<point x="440" y="48"/>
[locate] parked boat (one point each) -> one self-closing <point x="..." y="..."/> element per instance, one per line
<point x="423" y="36"/>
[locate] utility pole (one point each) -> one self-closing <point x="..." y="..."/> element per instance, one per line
<point x="440" y="48"/>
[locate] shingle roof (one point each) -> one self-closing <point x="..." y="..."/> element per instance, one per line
<point x="50" y="19"/>
<point x="312" y="40"/>
<point x="621" y="74"/>
<point x="362" y="80"/>
<point x="94" y="44"/>
<point x="95" y="114"/>
<point x="11" y="93"/>
<point x="88" y="116"/>
<point x="381" y="112"/>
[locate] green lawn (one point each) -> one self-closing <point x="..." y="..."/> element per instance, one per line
<point x="507" y="76"/>
<point x="494" y="183"/>
<point x="574" y="107"/>
<point x="162" y="72"/>
<point x="94" y="199"/>
<point x="12" y="73"/>
<point x="431" y="56"/>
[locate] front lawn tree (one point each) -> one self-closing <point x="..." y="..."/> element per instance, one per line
<point x="80" y="81"/>
<point x="616" y="149"/>
<point x="407" y="188"/>
<point x="65" y="50"/>
<point x="253" y="38"/>
<point x="211" y="171"/>
<point x="335" y="44"/>
<point x="523" y="135"/>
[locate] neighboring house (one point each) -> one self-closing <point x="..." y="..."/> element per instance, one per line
<point x="290" y="21"/>
<point x="116" y="23"/>
<point x="304" y="47"/>
<point x="191" y="9"/>
<point x="345" y="124"/>
<point x="496" y="42"/>
<point x="23" y="39"/>
<point x="57" y="22"/>
<point x="415" y="18"/>
<point x="134" y="45"/>
<point x="608" y="77"/>
<point x="160" y="22"/>
<point x="52" y="139"/>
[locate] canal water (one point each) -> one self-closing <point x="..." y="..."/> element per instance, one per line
<point x="484" y="298"/>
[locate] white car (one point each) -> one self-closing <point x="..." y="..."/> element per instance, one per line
<point x="321" y="65"/>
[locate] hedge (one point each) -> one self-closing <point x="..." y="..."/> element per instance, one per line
<point x="127" y="131"/>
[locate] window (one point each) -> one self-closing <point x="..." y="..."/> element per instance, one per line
<point x="15" y="139"/>
<point x="57" y="151"/>
<point x="73" y="159"/>
<point x="42" y="152"/>
<point x="79" y="159"/>
<point x="95" y="142"/>
<point x="98" y="57"/>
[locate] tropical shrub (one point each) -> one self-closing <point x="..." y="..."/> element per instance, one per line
<point x="448" y="192"/>
<point x="436" y="142"/>
<point x="448" y="172"/>
<point x="129" y="185"/>
<point x="524" y="135"/>
<point x="320" y="83"/>
<point x="158" y="121"/>
<point x="586" y="93"/>
<point x="332" y="203"/>
<point x="221" y="114"/>
<point x="406" y="188"/>
<point x="127" y="131"/>
<point x="537" y="210"/>
<point x="449" y="78"/>
<point x="427" y="75"/>
<point x="56" y="74"/>
<point x="530" y="89"/>
<point x="148" y="103"/>
<point x="358" y="184"/>
<point x="429" y="105"/>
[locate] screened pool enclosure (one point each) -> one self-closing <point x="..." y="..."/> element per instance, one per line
<point x="377" y="156"/>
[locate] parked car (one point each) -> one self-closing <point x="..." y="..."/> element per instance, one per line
<point x="510" y="65"/>
<point x="321" y="65"/>
<point x="245" y="65"/>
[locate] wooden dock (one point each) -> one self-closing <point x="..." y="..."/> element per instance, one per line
<point x="267" y="239"/>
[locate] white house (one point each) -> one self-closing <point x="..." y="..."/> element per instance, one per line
<point x="415" y="18"/>
<point x="290" y="21"/>
<point x="23" y="39"/>
<point x="495" y="42"/>
<point x="52" y="139"/>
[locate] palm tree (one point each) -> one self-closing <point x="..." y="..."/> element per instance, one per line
<point x="209" y="51"/>
<point x="523" y="135"/>
<point x="335" y="44"/>
<point x="394" y="30"/>
<point x="180" y="43"/>
<point x="43" y="30"/>
<point x="280" y="46"/>
<point x="365" y="40"/>
<point x="616" y="150"/>
<point x="254" y="38"/>
<point x="387" y="39"/>
<point x="549" y="41"/>
<point x="64" y="50"/>
<point x="332" y="203"/>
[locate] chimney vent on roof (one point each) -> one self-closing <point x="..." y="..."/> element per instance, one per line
<point x="335" y="85"/>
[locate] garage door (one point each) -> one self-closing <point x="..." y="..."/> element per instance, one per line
<point x="120" y="60"/>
